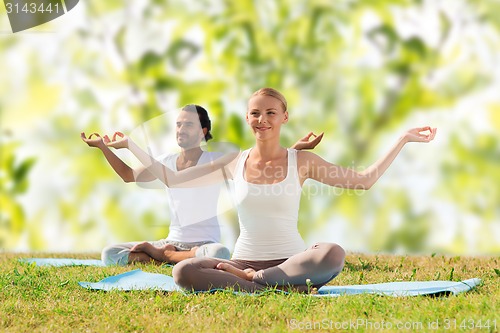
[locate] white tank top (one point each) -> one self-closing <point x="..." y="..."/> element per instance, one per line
<point x="268" y="214"/>
<point x="193" y="211"/>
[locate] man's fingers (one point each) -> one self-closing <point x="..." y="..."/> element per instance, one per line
<point x="120" y="134"/>
<point x="425" y="128"/>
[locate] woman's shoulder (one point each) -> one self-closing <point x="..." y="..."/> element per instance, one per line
<point x="308" y="158"/>
<point x="306" y="155"/>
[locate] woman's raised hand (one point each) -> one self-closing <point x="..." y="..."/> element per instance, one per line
<point x="420" y="134"/>
<point x="307" y="143"/>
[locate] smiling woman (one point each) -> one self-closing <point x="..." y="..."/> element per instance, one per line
<point x="265" y="115"/>
<point x="270" y="250"/>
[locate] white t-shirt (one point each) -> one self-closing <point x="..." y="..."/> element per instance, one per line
<point x="193" y="211"/>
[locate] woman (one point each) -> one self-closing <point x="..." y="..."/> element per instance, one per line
<point x="267" y="183"/>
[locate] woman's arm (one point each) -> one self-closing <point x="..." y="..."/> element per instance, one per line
<point x="121" y="168"/>
<point x="314" y="167"/>
<point x="200" y="175"/>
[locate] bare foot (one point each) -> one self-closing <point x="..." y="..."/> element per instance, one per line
<point x="246" y="274"/>
<point x="141" y="247"/>
<point x="249" y="273"/>
<point x="157" y="253"/>
<point x="193" y="250"/>
<point x="173" y="255"/>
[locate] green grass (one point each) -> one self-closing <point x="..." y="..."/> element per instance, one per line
<point x="50" y="300"/>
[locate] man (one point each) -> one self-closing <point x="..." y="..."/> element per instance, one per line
<point x="194" y="229"/>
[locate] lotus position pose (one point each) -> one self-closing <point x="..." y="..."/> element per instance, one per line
<point x="194" y="229"/>
<point x="268" y="180"/>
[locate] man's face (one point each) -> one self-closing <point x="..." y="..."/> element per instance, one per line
<point x="189" y="133"/>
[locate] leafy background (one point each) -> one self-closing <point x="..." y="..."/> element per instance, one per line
<point x="361" y="71"/>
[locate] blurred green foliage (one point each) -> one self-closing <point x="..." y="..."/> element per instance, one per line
<point x="348" y="68"/>
<point x="13" y="183"/>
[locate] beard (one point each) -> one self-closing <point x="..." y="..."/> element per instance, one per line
<point x="185" y="141"/>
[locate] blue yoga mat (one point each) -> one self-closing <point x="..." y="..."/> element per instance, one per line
<point x="134" y="280"/>
<point x="413" y="288"/>
<point x="59" y="262"/>
<point x="139" y="280"/>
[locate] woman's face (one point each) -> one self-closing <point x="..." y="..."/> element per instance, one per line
<point x="265" y="116"/>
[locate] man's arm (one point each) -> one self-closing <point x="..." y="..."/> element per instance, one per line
<point x="206" y="174"/>
<point x="121" y="168"/>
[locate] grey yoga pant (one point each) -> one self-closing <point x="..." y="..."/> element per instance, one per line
<point x="320" y="263"/>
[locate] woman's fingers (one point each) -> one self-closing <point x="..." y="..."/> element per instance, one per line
<point x="423" y="134"/>
<point x="434" y="131"/>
